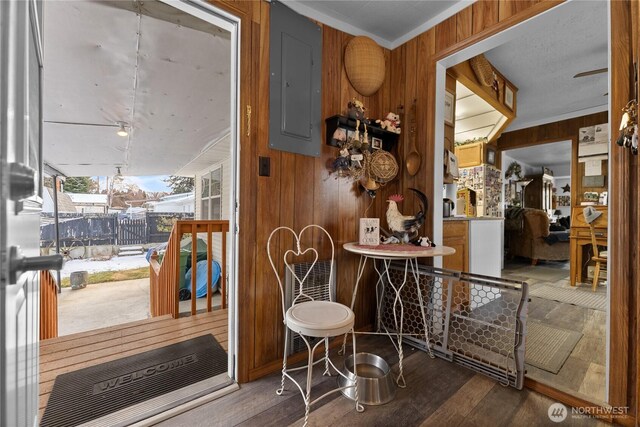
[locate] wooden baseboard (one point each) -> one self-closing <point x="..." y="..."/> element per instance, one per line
<point x="577" y="402"/>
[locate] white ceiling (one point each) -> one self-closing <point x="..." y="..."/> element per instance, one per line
<point x="389" y="22"/>
<point x="558" y="45"/>
<point x="547" y="155"/>
<point x="166" y="75"/>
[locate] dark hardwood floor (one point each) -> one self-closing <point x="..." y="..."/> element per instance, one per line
<point x="438" y="393"/>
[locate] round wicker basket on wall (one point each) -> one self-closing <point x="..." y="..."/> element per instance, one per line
<point x="364" y="63"/>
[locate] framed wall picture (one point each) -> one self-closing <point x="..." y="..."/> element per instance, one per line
<point x="508" y="96"/>
<point x="449" y="107"/>
<point x="369" y="231"/>
<point x="490" y="155"/>
<point x="376" y="143"/>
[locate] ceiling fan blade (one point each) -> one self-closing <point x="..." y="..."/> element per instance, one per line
<point x="591" y="73"/>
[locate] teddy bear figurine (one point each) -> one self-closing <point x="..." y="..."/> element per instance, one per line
<point x="356" y="110"/>
<point x="390" y="123"/>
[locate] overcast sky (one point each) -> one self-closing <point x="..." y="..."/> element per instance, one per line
<point x="145" y="183"/>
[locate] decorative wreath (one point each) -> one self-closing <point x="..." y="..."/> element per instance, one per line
<point x="515" y="170"/>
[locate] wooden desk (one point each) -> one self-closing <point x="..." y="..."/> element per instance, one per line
<point x="580" y="237"/>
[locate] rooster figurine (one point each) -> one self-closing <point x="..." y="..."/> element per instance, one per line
<point x="405" y="227"/>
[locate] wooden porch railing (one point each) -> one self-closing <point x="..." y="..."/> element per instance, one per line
<point x="48" y="306"/>
<point x="165" y="276"/>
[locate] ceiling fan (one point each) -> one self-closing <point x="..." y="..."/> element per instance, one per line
<point x="591" y="73"/>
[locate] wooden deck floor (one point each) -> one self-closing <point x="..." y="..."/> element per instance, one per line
<point x="72" y="352"/>
<point x="438" y="393"/>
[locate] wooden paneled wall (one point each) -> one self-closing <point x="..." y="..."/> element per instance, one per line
<point x="624" y="197"/>
<point x="557" y="131"/>
<point x="300" y="191"/>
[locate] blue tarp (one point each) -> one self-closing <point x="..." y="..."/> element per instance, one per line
<point x="201" y="277"/>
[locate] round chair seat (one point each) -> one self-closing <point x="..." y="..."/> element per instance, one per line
<point x="320" y="318"/>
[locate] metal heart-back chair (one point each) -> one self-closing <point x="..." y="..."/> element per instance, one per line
<point x="309" y="317"/>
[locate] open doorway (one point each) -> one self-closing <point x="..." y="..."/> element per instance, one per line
<point x="532" y="75"/>
<point x="141" y="92"/>
<point x="541" y="248"/>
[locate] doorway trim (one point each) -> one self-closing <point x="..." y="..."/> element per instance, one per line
<point x="229" y="22"/>
<point x="460" y="53"/>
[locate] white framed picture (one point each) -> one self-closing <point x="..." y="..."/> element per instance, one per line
<point x="508" y="96"/>
<point x="449" y="107"/>
<point x="376" y="143"/>
<point x="369" y="231"/>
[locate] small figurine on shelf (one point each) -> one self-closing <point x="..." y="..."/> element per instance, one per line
<point x="356" y="111"/>
<point x="426" y="242"/>
<point x="341" y="165"/>
<point x="340" y="136"/>
<point x="390" y="123"/>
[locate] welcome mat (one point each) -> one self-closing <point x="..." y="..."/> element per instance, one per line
<point x="582" y="297"/>
<point x="548" y="347"/>
<point x="90" y="393"/>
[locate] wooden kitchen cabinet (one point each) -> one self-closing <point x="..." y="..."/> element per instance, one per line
<point x="455" y="234"/>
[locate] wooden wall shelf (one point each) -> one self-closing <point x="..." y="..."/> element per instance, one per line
<point x="389" y="139"/>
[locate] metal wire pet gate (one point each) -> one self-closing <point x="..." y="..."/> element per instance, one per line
<point x="476" y="321"/>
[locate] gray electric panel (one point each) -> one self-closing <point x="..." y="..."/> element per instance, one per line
<point x="295" y="82"/>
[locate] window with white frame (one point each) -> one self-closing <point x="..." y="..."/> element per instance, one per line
<point x="211" y="204"/>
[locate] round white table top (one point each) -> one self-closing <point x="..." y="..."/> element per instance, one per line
<point x="398" y="251"/>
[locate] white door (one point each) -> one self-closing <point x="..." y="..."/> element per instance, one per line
<point x="20" y="191"/>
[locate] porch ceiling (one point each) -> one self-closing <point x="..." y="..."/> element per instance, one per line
<point x="162" y="72"/>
